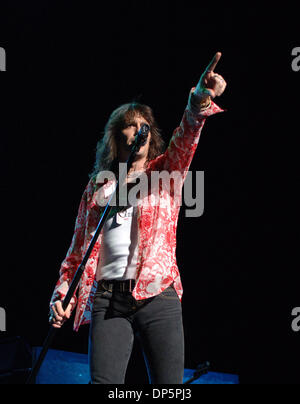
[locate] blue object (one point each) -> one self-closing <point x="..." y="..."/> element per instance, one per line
<point x="61" y="367"/>
<point x="211" y="378"/>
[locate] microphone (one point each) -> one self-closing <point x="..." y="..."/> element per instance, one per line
<point x="142" y="136"/>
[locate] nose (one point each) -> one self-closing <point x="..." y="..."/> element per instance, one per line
<point x="137" y="129"/>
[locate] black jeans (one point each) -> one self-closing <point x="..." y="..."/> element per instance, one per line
<point x="157" y="322"/>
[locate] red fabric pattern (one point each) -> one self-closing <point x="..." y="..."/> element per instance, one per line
<point x="156" y="267"/>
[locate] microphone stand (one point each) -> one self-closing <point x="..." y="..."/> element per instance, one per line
<point x="139" y="142"/>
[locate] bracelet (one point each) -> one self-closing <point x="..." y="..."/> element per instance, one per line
<point x="205" y="104"/>
<point x="197" y="106"/>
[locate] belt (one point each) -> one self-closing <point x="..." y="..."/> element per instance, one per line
<point x="119" y="286"/>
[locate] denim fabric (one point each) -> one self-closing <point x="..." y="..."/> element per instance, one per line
<point x="157" y="322"/>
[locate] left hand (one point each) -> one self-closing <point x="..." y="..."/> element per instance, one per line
<point x="211" y="84"/>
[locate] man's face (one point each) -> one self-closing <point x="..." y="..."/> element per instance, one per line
<point x="128" y="135"/>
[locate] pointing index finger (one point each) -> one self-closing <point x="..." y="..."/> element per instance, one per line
<point x="211" y="67"/>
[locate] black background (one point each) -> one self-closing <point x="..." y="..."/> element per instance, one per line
<point x="69" y="65"/>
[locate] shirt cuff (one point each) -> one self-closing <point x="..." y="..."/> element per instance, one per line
<point x="197" y="113"/>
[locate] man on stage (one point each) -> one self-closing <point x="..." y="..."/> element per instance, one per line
<point x="131" y="285"/>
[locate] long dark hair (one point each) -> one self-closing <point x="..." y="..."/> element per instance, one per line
<point x="107" y="147"/>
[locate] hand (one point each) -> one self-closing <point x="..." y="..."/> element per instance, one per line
<point x="211" y="84"/>
<point x="58" y="316"/>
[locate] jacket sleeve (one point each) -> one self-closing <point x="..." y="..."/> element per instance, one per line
<point x="74" y="255"/>
<point x="185" y="139"/>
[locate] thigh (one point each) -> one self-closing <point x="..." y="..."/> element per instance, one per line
<point x="110" y="343"/>
<point x="160" y="331"/>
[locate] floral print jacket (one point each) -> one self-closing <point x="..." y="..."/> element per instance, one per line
<point x="156" y="267"/>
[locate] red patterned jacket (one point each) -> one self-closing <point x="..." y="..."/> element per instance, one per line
<point x="156" y="267"/>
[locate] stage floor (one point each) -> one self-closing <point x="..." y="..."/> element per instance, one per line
<point x="61" y="367"/>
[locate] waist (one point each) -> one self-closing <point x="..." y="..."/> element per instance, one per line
<point x="118" y="286"/>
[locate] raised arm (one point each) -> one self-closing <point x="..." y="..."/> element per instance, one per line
<point x="184" y="141"/>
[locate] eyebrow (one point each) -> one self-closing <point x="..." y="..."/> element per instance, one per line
<point x="133" y="121"/>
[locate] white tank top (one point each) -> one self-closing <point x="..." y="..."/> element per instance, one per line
<point x="119" y="248"/>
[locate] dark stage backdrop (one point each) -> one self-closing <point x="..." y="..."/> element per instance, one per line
<point x="69" y="64"/>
